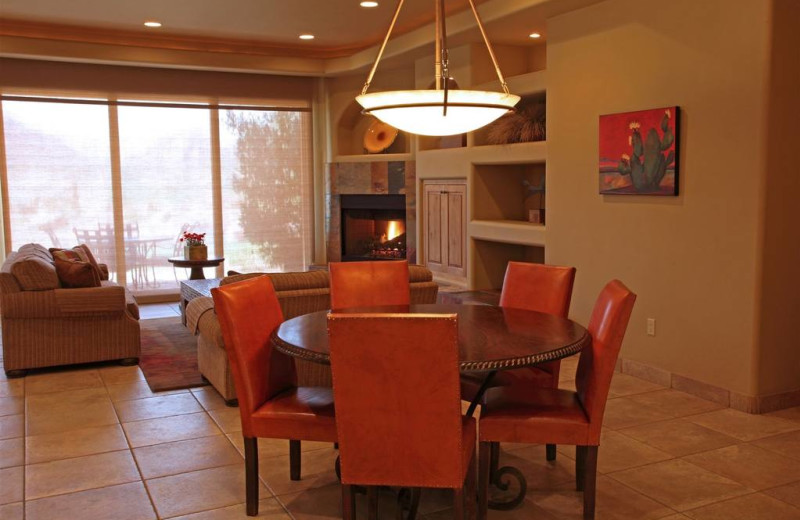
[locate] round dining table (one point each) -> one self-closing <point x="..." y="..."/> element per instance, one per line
<point x="489" y="339"/>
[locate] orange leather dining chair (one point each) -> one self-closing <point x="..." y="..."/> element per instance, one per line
<point x="398" y="409"/>
<point x="369" y="284"/>
<point x="270" y="403"/>
<point x="532" y="287"/>
<point x="551" y="415"/>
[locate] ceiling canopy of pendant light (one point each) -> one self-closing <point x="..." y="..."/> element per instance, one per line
<point x="439" y="111"/>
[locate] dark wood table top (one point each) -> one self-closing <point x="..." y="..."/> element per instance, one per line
<point x="489" y="338"/>
<point x="179" y="261"/>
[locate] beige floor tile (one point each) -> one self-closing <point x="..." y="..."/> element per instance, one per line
<point x="529" y="509"/>
<point x="136" y="390"/>
<point x="275" y="447"/>
<point x="793" y="414"/>
<point x="200" y="490"/>
<point x="674" y="402"/>
<point x="13" y="482"/>
<point x="749" y="465"/>
<point x="614" y="501"/>
<point x="789" y="493"/>
<point x="62" y="381"/>
<point x="74" y="443"/>
<point x="618" y="452"/>
<point x="12" y="405"/>
<point x="115" y="375"/>
<point x="744" y="426"/>
<point x="79" y="474"/>
<point x="624" y="413"/>
<point x="12" y="511"/>
<point x="13" y="388"/>
<point x="324" y="503"/>
<point x="317" y="470"/>
<point x="540" y="474"/>
<point x="676" y="516"/>
<point x="228" y="419"/>
<point x="209" y="398"/>
<point x="154" y="407"/>
<point x="787" y="444"/>
<point x="169" y="429"/>
<point x="12" y="452"/>
<point x="624" y="384"/>
<point x="750" y="507"/>
<point x="679" y="484"/>
<point x="679" y="437"/>
<point x="12" y="426"/>
<point x="65" y="411"/>
<point x="182" y="456"/>
<point x="268" y="508"/>
<point x="122" y="502"/>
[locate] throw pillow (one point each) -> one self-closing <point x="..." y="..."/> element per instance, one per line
<point x="92" y="259"/>
<point x="80" y="253"/>
<point x="74" y="273"/>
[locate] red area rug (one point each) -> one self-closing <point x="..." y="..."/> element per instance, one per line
<point x="169" y="355"/>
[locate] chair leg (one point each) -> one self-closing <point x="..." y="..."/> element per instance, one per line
<point x="458" y="504"/>
<point x="551" y="452"/>
<point x="484" y="456"/>
<point x="580" y="466"/>
<point x="251" y="474"/>
<point x="494" y="461"/>
<point x="294" y="460"/>
<point x="348" y="503"/>
<point x="372" y="499"/>
<point x="471" y="485"/>
<point x="589" y="482"/>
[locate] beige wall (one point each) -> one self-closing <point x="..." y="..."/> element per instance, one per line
<point x="779" y="341"/>
<point x="692" y="259"/>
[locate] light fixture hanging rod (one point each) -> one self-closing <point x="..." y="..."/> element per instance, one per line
<point x="489" y="47"/>
<point x="383" y="46"/>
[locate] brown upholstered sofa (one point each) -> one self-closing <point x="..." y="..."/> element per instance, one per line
<point x="298" y="293"/>
<point x="45" y="324"/>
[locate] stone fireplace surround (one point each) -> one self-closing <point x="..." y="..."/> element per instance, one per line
<point x="369" y="178"/>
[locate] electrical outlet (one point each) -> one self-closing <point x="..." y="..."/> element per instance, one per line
<point x="651" y="326"/>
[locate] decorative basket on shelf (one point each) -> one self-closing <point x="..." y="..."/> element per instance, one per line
<point x="194" y="246"/>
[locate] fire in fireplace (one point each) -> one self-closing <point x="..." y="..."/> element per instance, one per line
<point x="373" y="227"/>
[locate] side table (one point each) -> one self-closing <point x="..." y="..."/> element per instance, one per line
<point x="191" y="289"/>
<point x="196" y="265"/>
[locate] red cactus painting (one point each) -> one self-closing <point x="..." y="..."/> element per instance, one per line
<point x="639" y="152"/>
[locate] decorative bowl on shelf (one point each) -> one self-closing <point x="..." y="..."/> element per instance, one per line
<point x="379" y="136"/>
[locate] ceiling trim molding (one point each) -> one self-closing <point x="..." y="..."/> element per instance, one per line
<point x="127" y="38"/>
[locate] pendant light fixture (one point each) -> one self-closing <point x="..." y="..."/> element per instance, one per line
<point x="443" y="110"/>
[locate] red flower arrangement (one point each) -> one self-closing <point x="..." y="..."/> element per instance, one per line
<point x="193" y="239"/>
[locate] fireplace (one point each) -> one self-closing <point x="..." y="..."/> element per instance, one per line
<point x="373" y="227"/>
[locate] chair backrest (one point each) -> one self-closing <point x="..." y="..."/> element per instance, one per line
<point x="368" y="284"/>
<point x="398" y="407"/>
<point x="248" y="312"/>
<point x="538" y="287"/>
<point x="607" y="325"/>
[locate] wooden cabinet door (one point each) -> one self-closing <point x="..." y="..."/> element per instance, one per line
<point x="445" y="226"/>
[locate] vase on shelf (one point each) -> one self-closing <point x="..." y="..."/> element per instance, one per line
<point x="195" y="252"/>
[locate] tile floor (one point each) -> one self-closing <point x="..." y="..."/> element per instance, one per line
<point x="95" y="443"/>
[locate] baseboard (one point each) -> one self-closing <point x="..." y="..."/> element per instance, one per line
<point x="744" y="403"/>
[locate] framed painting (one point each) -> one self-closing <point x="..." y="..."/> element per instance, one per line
<point x="639" y="152"/>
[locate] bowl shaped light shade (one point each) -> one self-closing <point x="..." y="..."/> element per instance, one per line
<point x="421" y="111"/>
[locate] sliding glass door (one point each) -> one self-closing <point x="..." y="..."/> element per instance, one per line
<point x="128" y="178"/>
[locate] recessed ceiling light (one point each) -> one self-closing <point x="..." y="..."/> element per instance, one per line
<point x="152" y="23"/>
<point x="306" y="36"/>
<point x="369" y="4"/>
<point x="534" y="35"/>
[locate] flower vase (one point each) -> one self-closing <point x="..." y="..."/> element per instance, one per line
<point x="195" y="252"/>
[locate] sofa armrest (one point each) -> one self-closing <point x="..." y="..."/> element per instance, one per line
<point x="106" y="299"/>
<point x="62" y="303"/>
<point x="195" y="310"/>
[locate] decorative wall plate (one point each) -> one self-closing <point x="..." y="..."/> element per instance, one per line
<point x="379" y="136"/>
